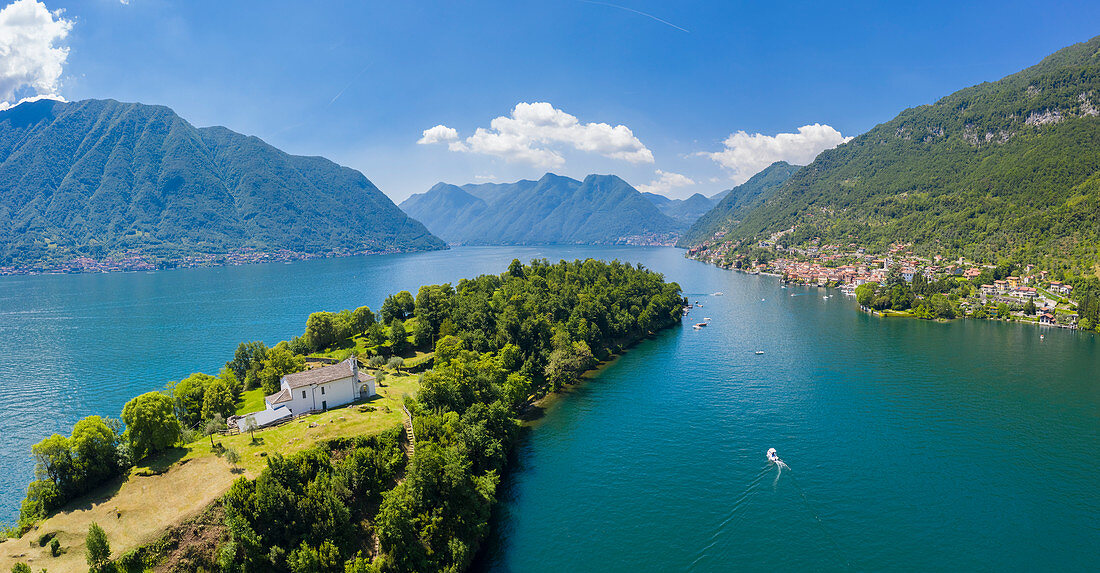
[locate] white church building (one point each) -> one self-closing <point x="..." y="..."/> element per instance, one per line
<point x="319" y="389"/>
<point x="314" y="390"/>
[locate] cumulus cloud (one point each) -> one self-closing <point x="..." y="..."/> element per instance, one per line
<point x="31" y="57"/>
<point x="664" y="182"/>
<point x="438" y="134"/>
<point x="535" y="132"/>
<point x="5" y="105"/>
<point x="747" y="154"/>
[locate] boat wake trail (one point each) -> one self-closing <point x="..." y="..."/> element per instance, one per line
<point x="734" y="515"/>
<point x="779" y="465"/>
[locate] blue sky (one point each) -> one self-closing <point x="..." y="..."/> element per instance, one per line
<point x="359" y="82"/>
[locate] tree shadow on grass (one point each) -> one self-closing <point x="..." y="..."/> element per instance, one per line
<point x="160" y="463"/>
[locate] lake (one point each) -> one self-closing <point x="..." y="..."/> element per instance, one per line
<point x="911" y="444"/>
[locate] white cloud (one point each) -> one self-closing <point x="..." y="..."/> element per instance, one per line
<point x="534" y="132"/>
<point x="746" y="155"/>
<point x="665" y="182"/>
<point x="5" y="105"/>
<point x="30" y="55"/>
<point x="438" y="134"/>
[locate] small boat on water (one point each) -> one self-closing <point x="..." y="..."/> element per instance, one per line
<point x="697" y="327"/>
<point x="761" y="300"/>
<point x="719" y="293"/>
<point x="700" y="324"/>
<point x="706" y="319"/>
<point x="759" y="351"/>
<point x="772" y="455"/>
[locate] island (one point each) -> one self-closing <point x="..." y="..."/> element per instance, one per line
<point x="389" y="457"/>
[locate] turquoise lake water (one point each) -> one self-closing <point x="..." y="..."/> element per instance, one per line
<point x="912" y="445"/>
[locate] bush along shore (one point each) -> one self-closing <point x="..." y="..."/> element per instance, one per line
<point x="378" y="501"/>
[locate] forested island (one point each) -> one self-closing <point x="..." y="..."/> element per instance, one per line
<point x="363" y="494"/>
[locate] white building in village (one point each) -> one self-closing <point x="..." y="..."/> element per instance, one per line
<point x="314" y="390"/>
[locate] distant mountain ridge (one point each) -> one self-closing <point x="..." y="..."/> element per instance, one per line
<point x="1001" y="170"/>
<point x="99" y="177"/>
<point x="601" y="209"/>
<point x="685" y="210"/>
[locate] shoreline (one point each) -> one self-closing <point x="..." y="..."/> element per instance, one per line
<point x="892" y="313"/>
<point x="141" y="263"/>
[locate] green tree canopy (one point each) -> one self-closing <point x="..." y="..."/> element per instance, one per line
<point x="279" y="363"/>
<point x="151" y="424"/>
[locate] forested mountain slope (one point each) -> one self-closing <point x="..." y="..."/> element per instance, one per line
<point x="1003" y="169"/>
<point x="738" y="201"/>
<point x="99" y="177"/>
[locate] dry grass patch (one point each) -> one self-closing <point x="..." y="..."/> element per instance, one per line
<point x="132" y="513"/>
<point x="167" y="490"/>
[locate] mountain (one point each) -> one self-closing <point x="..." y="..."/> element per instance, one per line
<point x="99" y="177"/>
<point x="736" y="202"/>
<point x="1007" y="169"/>
<point x="602" y="209"/>
<point x="685" y="210"/>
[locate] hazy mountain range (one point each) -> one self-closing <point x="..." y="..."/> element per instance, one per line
<point x="601" y="209"/>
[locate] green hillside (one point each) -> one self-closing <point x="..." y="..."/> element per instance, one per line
<point x="1008" y="169"/>
<point x="737" y="202"/>
<point x="99" y="177"/>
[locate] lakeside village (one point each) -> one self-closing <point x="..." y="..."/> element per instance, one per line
<point x="136" y="260"/>
<point x="908" y="285"/>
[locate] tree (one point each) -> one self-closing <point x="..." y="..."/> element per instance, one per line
<point x="218" y="400"/>
<point x="151" y="424"/>
<point x="320" y="330"/>
<point x="55" y="463"/>
<point x="250" y="427"/>
<point x="94" y="447"/>
<point x="422" y="333"/>
<point x="323" y="559"/>
<point x="24" y="568"/>
<point x="941" y="306"/>
<point x="397" y="363"/>
<point x="398" y="306"/>
<point x="376" y="334"/>
<point x="1003" y="311"/>
<point x="214" y="425"/>
<point x="96" y="548"/>
<point x="1029" y="308"/>
<point x="248" y="357"/>
<point x="865" y="293"/>
<point x="232" y="456"/>
<point x="398" y="337"/>
<point x="189" y="395"/>
<point x="515" y="269"/>
<point x="279" y="363"/>
<point x="362" y="319"/>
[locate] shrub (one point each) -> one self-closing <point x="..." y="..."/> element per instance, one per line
<point x="96" y="547"/>
<point x="45" y="538"/>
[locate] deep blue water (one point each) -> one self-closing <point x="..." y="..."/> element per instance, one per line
<point x="912" y="445"/>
